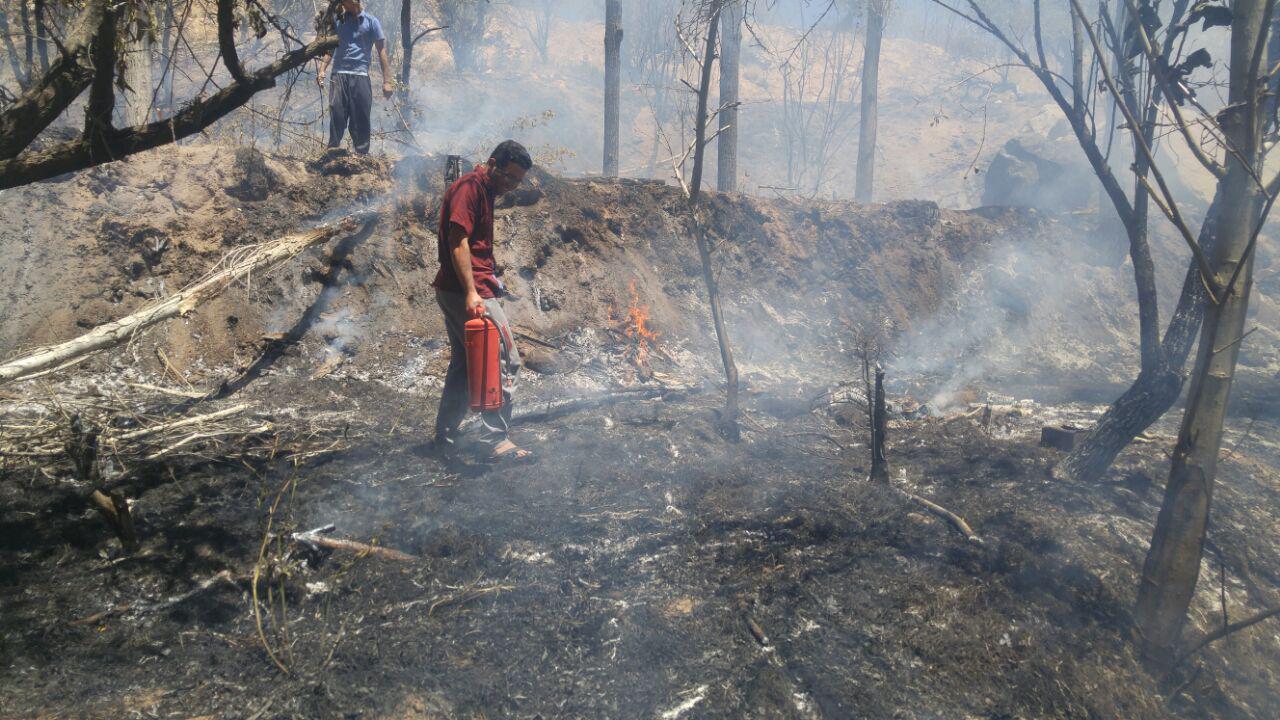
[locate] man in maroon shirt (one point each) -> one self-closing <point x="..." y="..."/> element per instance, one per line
<point x="466" y="287"/>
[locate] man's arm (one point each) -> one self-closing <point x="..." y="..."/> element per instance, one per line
<point x="387" y="86"/>
<point x="324" y="65"/>
<point x="460" y="253"/>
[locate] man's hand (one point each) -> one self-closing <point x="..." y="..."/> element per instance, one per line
<point x="475" y="304"/>
<point x="320" y="80"/>
<point x="387" y="90"/>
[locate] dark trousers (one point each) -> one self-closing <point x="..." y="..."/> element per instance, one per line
<point x="455" y="399"/>
<point x="350" y="102"/>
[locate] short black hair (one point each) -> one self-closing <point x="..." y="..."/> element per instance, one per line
<point x="510" y="151"/>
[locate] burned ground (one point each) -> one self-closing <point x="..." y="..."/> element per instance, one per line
<point x="641" y="566"/>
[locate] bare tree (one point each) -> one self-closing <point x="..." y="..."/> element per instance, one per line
<point x="706" y="19"/>
<point x="655" y="58"/>
<point x="542" y="15"/>
<point x="1173" y="563"/>
<point x="465" y="23"/>
<point x="1143" y="87"/>
<point x="818" y="91"/>
<point x="730" y="55"/>
<point x="1222" y="273"/>
<point x="408" y="41"/>
<point x="877" y="12"/>
<point x="40" y="11"/>
<point x="612" y="83"/>
<point x="89" y="58"/>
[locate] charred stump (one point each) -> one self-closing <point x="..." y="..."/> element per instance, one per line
<point x="82" y="449"/>
<point x="879" y="465"/>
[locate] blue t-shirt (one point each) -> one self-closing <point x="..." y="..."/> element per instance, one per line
<point x="356" y="36"/>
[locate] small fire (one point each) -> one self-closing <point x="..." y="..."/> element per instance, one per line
<point x="635" y="327"/>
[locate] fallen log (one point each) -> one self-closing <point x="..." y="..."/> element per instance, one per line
<point x="241" y="263"/>
<point x="315" y="539"/>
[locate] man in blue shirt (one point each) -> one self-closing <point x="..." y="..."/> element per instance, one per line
<point x="350" y="94"/>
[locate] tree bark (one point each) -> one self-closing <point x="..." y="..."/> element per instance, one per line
<point x="54" y="91"/>
<point x="730" y="55"/>
<point x="169" y="48"/>
<point x="612" y="83"/>
<point x="1172" y="566"/>
<point x="42" y="40"/>
<point x="114" y="144"/>
<point x="728" y="424"/>
<point x="870" y="108"/>
<point x="138" y="78"/>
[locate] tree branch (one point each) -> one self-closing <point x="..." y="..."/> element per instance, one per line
<point x="45" y="100"/>
<point x="1136" y="130"/>
<point x="227" y="39"/>
<point x="1157" y="69"/>
<point x="114" y="144"/>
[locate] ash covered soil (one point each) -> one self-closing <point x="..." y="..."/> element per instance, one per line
<point x="641" y="566"/>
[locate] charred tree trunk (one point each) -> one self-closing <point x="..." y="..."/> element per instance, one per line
<point x="227" y="39"/>
<point x="870" y="108"/>
<point x="1157" y="388"/>
<point x="878" y="421"/>
<point x="98" y="121"/>
<point x="1172" y="566"/>
<point x="728" y="425"/>
<point x="406" y="45"/>
<point x="727" y="141"/>
<point x="612" y="83"/>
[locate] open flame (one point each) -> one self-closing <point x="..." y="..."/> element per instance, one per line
<point x="634" y="326"/>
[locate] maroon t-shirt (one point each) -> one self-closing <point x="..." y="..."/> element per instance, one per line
<point x="469" y="205"/>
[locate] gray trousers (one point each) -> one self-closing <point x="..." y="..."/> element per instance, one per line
<point x="350" y="104"/>
<point x="455" y="399"/>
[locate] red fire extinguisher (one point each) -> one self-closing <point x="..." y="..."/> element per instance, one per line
<point x="484" y="378"/>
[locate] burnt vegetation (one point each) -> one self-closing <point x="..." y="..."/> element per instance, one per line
<point x="812" y="440"/>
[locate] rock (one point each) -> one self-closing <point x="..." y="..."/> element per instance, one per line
<point x="1042" y="172"/>
<point x="543" y="361"/>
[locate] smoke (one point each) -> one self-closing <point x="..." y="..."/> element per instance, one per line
<point x="1029" y="312"/>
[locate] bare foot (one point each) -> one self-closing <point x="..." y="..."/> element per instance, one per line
<point x="509" y="450"/>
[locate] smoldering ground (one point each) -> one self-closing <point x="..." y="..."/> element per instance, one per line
<point x="641" y="567"/>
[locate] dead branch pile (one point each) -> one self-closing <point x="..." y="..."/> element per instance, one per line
<point x="142" y="427"/>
